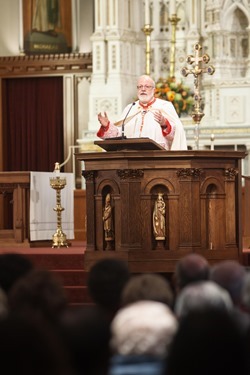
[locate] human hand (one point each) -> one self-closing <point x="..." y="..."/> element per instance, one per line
<point x="103" y="119"/>
<point x="160" y="118"/>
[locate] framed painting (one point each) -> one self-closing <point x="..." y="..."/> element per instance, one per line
<point x="47" y="26"/>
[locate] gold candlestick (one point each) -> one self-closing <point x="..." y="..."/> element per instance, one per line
<point x="174" y="20"/>
<point x="57" y="183"/>
<point x="197" y="71"/>
<point x="147" y="29"/>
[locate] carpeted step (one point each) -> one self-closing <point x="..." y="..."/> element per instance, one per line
<point x="72" y="277"/>
<point x="58" y="261"/>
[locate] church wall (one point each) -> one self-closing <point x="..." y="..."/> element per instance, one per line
<point x="112" y="30"/>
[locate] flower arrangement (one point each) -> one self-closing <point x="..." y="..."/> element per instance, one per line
<point x="173" y="90"/>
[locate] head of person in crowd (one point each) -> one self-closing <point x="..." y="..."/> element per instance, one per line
<point x="208" y="341"/>
<point x="200" y="296"/>
<point x="245" y="295"/>
<point x="13" y="266"/>
<point x="106" y="280"/>
<point x="39" y="294"/>
<point x="148" y="286"/>
<point x="191" y="268"/>
<point x="30" y="347"/>
<point x="143" y="328"/>
<point x="86" y="333"/>
<point x="4" y="305"/>
<point x="230" y="275"/>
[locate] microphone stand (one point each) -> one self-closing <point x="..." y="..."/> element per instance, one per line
<point x="123" y="136"/>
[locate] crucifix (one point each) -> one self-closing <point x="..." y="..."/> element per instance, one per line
<point x="197" y="69"/>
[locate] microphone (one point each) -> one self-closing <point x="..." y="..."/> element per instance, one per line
<point x="123" y="123"/>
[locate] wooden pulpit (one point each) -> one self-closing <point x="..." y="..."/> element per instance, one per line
<point x="201" y="192"/>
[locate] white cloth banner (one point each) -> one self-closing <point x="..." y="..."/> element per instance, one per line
<point x="43" y="218"/>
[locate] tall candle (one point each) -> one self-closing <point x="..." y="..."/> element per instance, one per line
<point x="147" y="15"/>
<point x="172" y="9"/>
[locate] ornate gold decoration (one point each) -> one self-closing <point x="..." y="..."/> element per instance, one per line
<point x="197" y="71"/>
<point x="57" y="183"/>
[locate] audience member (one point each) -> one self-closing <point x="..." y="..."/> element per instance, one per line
<point x="38" y="294"/>
<point x="191" y="268"/>
<point x="200" y="296"/>
<point x="245" y="295"/>
<point x="148" y="286"/>
<point x="140" y="336"/>
<point x="106" y="281"/>
<point x="13" y="266"/>
<point x="31" y="348"/>
<point x="4" y="308"/>
<point x="86" y="333"/>
<point x="230" y="275"/>
<point x="208" y="342"/>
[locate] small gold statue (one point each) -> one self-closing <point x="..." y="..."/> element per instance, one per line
<point x="108" y="219"/>
<point x="159" y="223"/>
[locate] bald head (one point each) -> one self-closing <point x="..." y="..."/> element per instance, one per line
<point x="145" y="79"/>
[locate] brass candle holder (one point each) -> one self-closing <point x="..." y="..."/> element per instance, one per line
<point x="57" y="183"/>
<point x="174" y="20"/>
<point x="147" y="29"/>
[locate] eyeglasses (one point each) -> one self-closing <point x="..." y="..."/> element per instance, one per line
<point x="146" y="87"/>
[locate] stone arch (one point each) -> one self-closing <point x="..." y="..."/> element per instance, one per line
<point x="235" y="23"/>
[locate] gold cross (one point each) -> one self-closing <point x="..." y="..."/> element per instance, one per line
<point x="197" y="59"/>
<point x="197" y="71"/>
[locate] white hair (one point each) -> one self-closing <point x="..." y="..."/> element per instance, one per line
<point x="143" y="327"/>
<point x="200" y="296"/>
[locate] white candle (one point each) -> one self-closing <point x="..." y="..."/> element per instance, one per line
<point x="57" y="169"/>
<point x="172" y="9"/>
<point x="147" y="14"/>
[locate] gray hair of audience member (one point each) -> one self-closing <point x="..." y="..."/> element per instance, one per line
<point x="229" y="274"/>
<point x="201" y="296"/>
<point x="143" y="328"/>
<point x="149" y="286"/>
<point x="191" y="268"/>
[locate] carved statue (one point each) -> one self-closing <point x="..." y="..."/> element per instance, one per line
<point x="159" y="222"/>
<point x="108" y="219"/>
